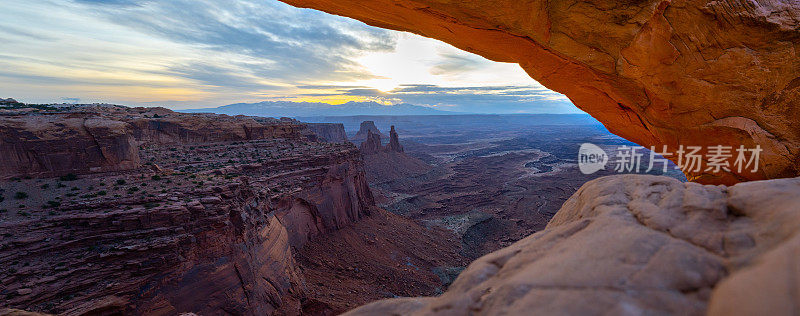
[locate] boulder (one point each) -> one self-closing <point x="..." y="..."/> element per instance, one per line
<point x="640" y="244"/>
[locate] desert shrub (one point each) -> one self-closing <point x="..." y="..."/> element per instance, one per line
<point x="102" y="192"/>
<point x="53" y="204"/>
<point x="69" y="177"/>
<point x="20" y="195"/>
<point x="156" y="177"/>
<point x="120" y="181"/>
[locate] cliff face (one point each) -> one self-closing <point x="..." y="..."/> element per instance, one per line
<point x="224" y="245"/>
<point x="329" y="132"/>
<point x="635" y="244"/>
<point x="54" y="145"/>
<point x="336" y="196"/>
<point x="683" y="72"/>
<point x="107" y="138"/>
<point x="178" y="128"/>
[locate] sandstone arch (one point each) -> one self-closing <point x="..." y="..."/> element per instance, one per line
<point x="690" y="72"/>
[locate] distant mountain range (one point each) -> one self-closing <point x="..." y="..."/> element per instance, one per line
<point x="296" y="109"/>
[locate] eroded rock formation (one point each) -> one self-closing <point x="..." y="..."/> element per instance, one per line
<point x="636" y="244"/>
<point x="657" y="72"/>
<point x="364" y="129"/>
<point x="386" y="163"/>
<point x="394" y="142"/>
<point x="372" y="144"/>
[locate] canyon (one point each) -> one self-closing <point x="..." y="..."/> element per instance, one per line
<point x="211" y="214"/>
<point x="114" y="210"/>
<point x="656" y="72"/>
<point x="219" y="222"/>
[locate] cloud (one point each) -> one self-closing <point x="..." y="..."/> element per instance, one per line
<point x="292" y="44"/>
<point x="199" y="53"/>
<point x="364" y="92"/>
<point x="320" y="86"/>
<point x="231" y="77"/>
<point x="454" y="64"/>
<point x="468" y="99"/>
<point x="223" y="49"/>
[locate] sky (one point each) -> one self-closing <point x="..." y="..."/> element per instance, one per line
<point x="206" y="53"/>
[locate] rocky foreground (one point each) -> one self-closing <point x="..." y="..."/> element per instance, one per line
<point x="638" y="244"/>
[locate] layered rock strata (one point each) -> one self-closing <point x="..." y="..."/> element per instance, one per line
<point x="106" y="138"/>
<point x="49" y="145"/>
<point x="206" y="237"/>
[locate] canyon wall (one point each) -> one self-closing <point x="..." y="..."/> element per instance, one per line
<point x="54" y="145"/>
<point x="160" y="126"/>
<point x="329" y="132"/>
<point x="221" y="248"/>
<point x="657" y="72"/>
<point x="203" y="212"/>
<point x="97" y="139"/>
<point x="639" y="245"/>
